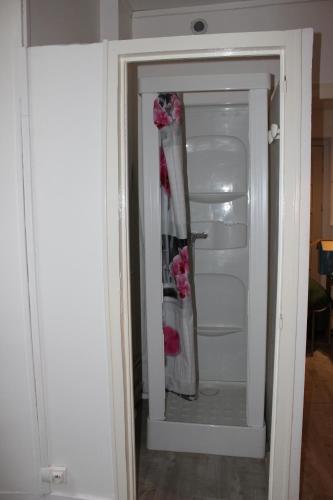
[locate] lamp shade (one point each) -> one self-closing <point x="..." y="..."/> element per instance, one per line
<point x="325" y="256"/>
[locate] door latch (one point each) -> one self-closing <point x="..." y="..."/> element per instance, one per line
<point x="273" y="133"/>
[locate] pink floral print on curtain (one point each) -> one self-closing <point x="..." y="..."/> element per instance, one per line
<point x="177" y="300"/>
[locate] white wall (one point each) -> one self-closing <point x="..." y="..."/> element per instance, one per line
<point x="54" y="22"/>
<point x="63" y="21"/>
<point x="109" y="20"/>
<point x="125" y="20"/>
<point x="115" y="20"/>
<point x="19" y="460"/>
<point x="225" y="19"/>
<point x="67" y="142"/>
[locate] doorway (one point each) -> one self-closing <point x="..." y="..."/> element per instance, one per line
<point x="227" y="169"/>
<point x="316" y="463"/>
<point x="316" y="217"/>
<point x="123" y="54"/>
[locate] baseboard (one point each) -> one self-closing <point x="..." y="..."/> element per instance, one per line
<point x="8" y="495"/>
<point x="79" y="496"/>
<point x="52" y="496"/>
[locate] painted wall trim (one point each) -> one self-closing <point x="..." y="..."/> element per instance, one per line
<point x="79" y="497"/>
<point x="17" y="495"/>
<point x="241" y="4"/>
<point x="303" y="262"/>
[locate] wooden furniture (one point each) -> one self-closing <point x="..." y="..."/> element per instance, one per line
<point x="319" y="301"/>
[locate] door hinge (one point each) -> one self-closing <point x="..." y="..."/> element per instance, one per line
<point x="281" y="322"/>
<point x="285" y="85"/>
<point x="273" y="133"/>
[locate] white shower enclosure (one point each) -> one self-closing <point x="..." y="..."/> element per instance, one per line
<point x="226" y="124"/>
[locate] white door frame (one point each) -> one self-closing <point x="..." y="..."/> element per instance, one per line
<point x="295" y="51"/>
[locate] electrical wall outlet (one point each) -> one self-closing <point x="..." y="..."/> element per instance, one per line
<point x="55" y="474"/>
<point x="58" y="474"/>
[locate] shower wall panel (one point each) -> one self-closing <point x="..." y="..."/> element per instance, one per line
<point x="217" y="165"/>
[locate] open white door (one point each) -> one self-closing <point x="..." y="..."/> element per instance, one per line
<point x="294" y="48"/>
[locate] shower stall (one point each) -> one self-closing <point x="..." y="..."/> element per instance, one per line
<point x="226" y="124"/>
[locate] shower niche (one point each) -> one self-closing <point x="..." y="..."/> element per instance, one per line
<point x="227" y="175"/>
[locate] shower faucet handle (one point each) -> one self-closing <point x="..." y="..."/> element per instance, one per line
<point x="198" y="236"/>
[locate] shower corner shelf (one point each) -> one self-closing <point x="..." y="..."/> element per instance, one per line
<point x="218" y="330"/>
<point x="221" y="197"/>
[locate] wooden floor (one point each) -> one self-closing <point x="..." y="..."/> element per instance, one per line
<point x="187" y="476"/>
<point x="192" y="476"/>
<point x="317" y="447"/>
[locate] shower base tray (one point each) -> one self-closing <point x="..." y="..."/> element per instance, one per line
<point x="215" y="424"/>
<point x="217" y="404"/>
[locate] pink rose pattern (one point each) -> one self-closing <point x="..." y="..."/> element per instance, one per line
<point x="179" y="269"/>
<point x="161" y="118"/>
<point x="164" y="176"/>
<point x="168" y="111"/>
<point x="171" y="341"/>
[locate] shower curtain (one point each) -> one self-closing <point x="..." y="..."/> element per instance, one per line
<point x="178" y="328"/>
